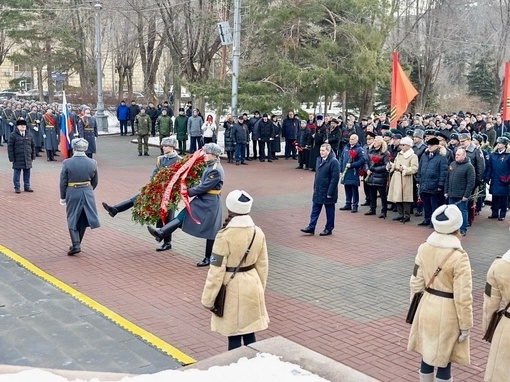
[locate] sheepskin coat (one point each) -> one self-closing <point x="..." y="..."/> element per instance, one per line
<point x="497" y="294"/>
<point x="401" y="183"/>
<point x="245" y="308"/>
<point x="439" y="320"/>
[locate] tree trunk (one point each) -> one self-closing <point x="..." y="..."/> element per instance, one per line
<point x="367" y="102"/>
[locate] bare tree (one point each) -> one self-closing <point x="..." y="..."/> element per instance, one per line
<point x="191" y="35"/>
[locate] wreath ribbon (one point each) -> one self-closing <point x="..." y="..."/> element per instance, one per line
<point x="181" y="174"/>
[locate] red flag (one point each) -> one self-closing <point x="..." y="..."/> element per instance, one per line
<point x="506" y="93"/>
<point x="402" y="92"/>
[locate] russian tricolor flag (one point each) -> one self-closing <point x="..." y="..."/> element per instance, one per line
<point x="65" y="128"/>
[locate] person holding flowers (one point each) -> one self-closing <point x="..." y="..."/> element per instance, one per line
<point x="203" y="217"/>
<point x="352" y="160"/>
<point x="169" y="157"/>
<point x="377" y="175"/>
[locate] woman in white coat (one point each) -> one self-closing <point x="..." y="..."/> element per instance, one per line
<point x="209" y="129"/>
<point x="497" y="294"/>
<point x="440" y="330"/>
<point x="245" y="309"/>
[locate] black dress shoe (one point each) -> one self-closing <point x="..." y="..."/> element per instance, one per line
<point x="492" y="217"/>
<point x="405" y="219"/>
<point x="326" y="232"/>
<point x="398" y="218"/>
<point x="17" y="191"/>
<point x="146" y="154"/>
<point x="371" y="212"/>
<point x="165" y="247"/>
<point x="345" y="208"/>
<point x="354" y="210"/>
<point x="382" y="215"/>
<point x="365" y="204"/>
<point x="204" y="263"/>
<point x="269" y="160"/>
<point x="308" y="230"/>
<point x="424" y="223"/>
<point x="28" y="190"/>
<point x="112" y="211"/>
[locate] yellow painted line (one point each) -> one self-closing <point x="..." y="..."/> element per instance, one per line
<point x="111" y="315"/>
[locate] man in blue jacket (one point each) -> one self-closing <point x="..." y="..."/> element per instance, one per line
<point x="123" y="117"/>
<point x="352" y="160"/>
<point x="325" y="190"/>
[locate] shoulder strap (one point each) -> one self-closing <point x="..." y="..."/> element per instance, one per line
<point x="439" y="268"/>
<point x="244" y="257"/>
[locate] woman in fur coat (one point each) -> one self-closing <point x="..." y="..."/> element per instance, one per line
<point x="245" y="309"/>
<point x="497" y="291"/>
<point x="440" y="330"/>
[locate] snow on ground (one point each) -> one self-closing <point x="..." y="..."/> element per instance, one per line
<point x="264" y="367"/>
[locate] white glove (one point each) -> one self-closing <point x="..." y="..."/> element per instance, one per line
<point x="463" y="335"/>
<point x="36" y="128"/>
<point x="11" y="124"/>
<point x="62" y="202"/>
<point x="37" y="121"/>
<point x="44" y="136"/>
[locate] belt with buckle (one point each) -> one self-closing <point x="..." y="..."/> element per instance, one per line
<point x="78" y="184"/>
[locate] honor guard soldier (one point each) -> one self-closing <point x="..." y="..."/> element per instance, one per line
<point x="87" y="129"/>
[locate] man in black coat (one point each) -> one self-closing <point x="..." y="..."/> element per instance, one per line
<point x="263" y="133"/>
<point x="325" y="190"/>
<point x="21" y="151"/>
<point x="153" y="113"/>
<point x="134" y="110"/>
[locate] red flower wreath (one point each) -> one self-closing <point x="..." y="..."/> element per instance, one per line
<point x="148" y="206"/>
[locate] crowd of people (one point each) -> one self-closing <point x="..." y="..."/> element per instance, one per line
<point x="422" y="163"/>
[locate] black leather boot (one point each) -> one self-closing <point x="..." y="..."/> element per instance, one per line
<point x="81" y="232"/>
<point x="119" y="207"/>
<point x="75" y="240"/>
<point x="165" y="231"/>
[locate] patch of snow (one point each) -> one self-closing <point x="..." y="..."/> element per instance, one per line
<point x="263" y="367"/>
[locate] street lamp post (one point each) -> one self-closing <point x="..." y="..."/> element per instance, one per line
<point x="101" y="119"/>
<point x="236" y="53"/>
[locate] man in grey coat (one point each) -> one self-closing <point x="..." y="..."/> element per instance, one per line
<point x="195" y="123"/>
<point x="78" y="179"/>
<point x="206" y="217"/>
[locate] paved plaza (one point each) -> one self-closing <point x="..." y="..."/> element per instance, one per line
<point x="344" y="295"/>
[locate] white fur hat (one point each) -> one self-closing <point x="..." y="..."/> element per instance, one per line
<point x="239" y="202"/>
<point x="406" y="141"/>
<point x="447" y="218"/>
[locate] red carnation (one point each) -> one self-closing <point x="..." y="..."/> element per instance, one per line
<point x="362" y="172"/>
<point x="352" y="153"/>
<point x="375" y="158"/>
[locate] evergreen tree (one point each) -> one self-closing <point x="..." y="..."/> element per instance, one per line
<point x="481" y="80"/>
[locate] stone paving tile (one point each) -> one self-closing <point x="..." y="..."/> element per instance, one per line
<point x="345" y="295"/>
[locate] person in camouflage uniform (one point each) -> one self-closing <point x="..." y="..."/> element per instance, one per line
<point x="143" y="127"/>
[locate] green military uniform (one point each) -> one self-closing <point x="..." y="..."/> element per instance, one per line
<point x="143" y="127"/>
<point x="164" y="126"/>
<point x="181" y="129"/>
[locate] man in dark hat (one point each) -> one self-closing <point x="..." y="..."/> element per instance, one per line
<point x="21" y="152"/>
<point x="498" y="177"/>
<point x="181" y="130"/>
<point x="394" y="147"/>
<point x="134" y="110"/>
<point x="431" y="178"/>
